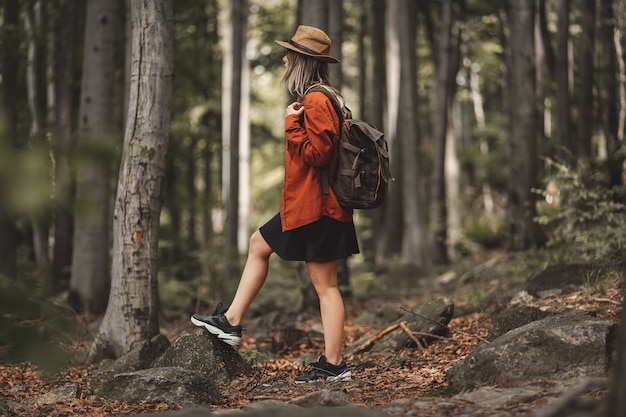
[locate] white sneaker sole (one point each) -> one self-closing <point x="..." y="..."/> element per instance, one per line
<point x="344" y="376"/>
<point x="227" y="338"/>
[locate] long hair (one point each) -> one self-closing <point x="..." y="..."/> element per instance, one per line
<point x="303" y="71"/>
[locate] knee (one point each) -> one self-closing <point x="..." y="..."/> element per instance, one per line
<point x="258" y="246"/>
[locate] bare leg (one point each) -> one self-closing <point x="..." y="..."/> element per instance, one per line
<point x="252" y="278"/>
<point x="324" y="278"/>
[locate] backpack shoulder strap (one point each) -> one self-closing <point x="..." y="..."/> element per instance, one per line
<point x="340" y="113"/>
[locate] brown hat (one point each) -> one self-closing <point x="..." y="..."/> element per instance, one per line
<point x="311" y="42"/>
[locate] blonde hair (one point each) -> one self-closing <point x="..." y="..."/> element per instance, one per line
<point x="303" y="71"/>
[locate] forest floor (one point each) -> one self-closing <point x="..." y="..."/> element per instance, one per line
<point x="381" y="378"/>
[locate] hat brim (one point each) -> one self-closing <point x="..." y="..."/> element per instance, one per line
<point x="324" y="58"/>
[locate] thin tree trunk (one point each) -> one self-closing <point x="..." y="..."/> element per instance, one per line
<point x="63" y="226"/>
<point x="438" y="213"/>
<point x="132" y="314"/>
<point x="608" y="87"/>
<point x="585" y="90"/>
<point x="35" y="22"/>
<point x="564" y="139"/>
<point x="231" y="102"/>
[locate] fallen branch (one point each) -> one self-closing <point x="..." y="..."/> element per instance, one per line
<point x="607" y="300"/>
<point x="482" y="339"/>
<point x="386" y="331"/>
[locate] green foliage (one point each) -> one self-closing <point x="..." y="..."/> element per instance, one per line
<point x="32" y="328"/>
<point x="582" y="215"/>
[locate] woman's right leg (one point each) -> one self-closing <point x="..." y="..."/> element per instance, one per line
<point x="252" y="278"/>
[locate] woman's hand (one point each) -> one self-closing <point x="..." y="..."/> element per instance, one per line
<point x="294" y="108"/>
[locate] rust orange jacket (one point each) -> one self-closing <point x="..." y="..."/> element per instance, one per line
<point x="310" y="146"/>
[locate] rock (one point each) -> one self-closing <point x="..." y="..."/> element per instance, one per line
<point x="430" y="318"/>
<point x="139" y="358"/>
<point x="559" y="279"/>
<point x="324" y="397"/>
<point x="65" y="393"/>
<point x="280" y="411"/>
<point x="515" y="317"/>
<point x="567" y="345"/>
<point x="205" y="354"/>
<point x="171" y="385"/>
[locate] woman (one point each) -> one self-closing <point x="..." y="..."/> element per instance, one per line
<point x="311" y="226"/>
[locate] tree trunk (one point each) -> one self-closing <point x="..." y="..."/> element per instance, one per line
<point x="132" y="315"/>
<point x="523" y="231"/>
<point x="608" y="87"/>
<point x="235" y="35"/>
<point x="443" y="78"/>
<point x="89" y="283"/>
<point x="35" y="21"/>
<point x="564" y="151"/>
<point x="10" y="53"/>
<point x="390" y="240"/>
<point x="585" y="90"/>
<point x="64" y="221"/>
<point x="415" y="248"/>
<point x="313" y="13"/>
<point x="375" y="112"/>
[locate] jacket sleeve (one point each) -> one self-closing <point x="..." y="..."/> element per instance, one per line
<point x="312" y="137"/>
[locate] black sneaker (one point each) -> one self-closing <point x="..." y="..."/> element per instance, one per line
<point x="218" y="325"/>
<point x="324" y="371"/>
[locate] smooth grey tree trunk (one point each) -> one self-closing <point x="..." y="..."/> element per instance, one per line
<point x="402" y="16"/>
<point x="89" y="282"/>
<point x="132" y="315"/>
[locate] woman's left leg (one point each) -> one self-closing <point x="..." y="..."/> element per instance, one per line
<point x="324" y="278"/>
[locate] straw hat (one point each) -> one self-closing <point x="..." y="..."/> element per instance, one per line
<point x="311" y="42"/>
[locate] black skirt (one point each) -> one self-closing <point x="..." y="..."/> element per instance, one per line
<point x="321" y="241"/>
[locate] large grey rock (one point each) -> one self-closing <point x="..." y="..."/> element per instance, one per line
<point x="138" y="358"/>
<point x="568" y="345"/>
<point x="170" y="385"/>
<point x="205" y="354"/>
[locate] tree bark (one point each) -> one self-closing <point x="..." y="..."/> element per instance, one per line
<point x="10" y="53"/>
<point x="564" y="140"/>
<point x="443" y="79"/>
<point x="132" y="315"/>
<point x="234" y="58"/>
<point x="608" y="87"/>
<point x="89" y="283"/>
<point x="64" y="220"/>
<point x="403" y="30"/>
<point x="521" y="211"/>
<point x="585" y="90"/>
<point x="35" y="21"/>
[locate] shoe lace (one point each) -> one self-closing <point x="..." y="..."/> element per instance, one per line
<point x="220" y="309"/>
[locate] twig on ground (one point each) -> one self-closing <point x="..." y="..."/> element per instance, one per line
<point x="482" y="339"/>
<point x="607" y="300"/>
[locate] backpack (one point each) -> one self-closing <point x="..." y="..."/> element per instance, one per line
<point x="362" y="174"/>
